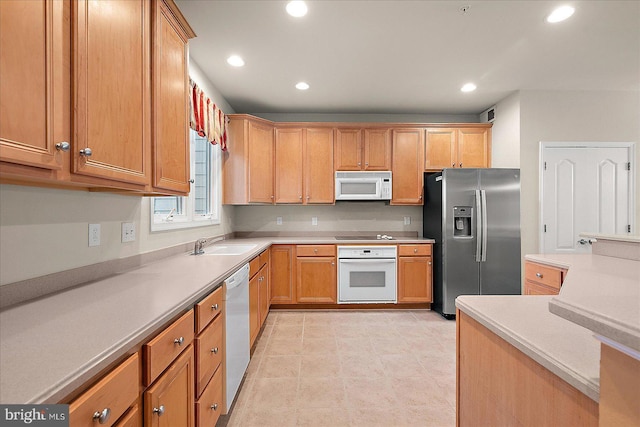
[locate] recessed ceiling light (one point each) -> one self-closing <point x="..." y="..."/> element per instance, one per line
<point x="468" y="87"/>
<point x="235" y="61"/>
<point x="560" y="14"/>
<point x="296" y="8"/>
<point x="302" y="86"/>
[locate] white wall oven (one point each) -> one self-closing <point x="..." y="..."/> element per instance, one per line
<point x="366" y="274"/>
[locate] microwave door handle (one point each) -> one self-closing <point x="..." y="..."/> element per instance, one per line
<point x="479" y="229"/>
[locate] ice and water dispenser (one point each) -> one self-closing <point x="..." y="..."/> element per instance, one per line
<point x="462" y="221"/>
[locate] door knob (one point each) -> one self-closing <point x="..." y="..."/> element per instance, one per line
<point x="63" y="146"/>
<point x="86" y="152"/>
<point x="583" y="241"/>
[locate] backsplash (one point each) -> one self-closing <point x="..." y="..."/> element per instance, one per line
<point x="375" y="217"/>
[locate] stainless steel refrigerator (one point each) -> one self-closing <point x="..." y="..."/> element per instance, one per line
<point x="474" y="217"/>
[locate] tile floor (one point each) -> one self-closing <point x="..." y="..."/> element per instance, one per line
<point x="350" y="368"/>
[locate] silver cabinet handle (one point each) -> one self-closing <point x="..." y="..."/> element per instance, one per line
<point x="214" y="307"/>
<point x="214" y="350"/>
<point x="429" y="262"/>
<point x="460" y="164"/>
<point x="179" y="341"/>
<point x="359" y="163"/>
<point x="102" y="416"/>
<point x="308" y="197"/>
<point x="300" y="197"/>
<point x="86" y="152"/>
<point x="214" y="406"/>
<point x="453" y="165"/>
<point x="539" y="275"/>
<point x="63" y="146"/>
<point x="415" y="250"/>
<point x="159" y="410"/>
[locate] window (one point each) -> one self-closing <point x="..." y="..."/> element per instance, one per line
<point x="202" y="206"/>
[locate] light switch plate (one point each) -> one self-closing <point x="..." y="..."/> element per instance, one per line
<point x="407" y="220"/>
<point x="314" y="220"/>
<point x="278" y="220"/>
<point x="128" y="232"/>
<point x="94" y="234"/>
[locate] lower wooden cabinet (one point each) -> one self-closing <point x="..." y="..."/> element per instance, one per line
<point x="316" y="274"/>
<point x="259" y="271"/>
<point x="415" y="281"/>
<point x="283" y="267"/>
<point x="254" y="309"/>
<point x="169" y="402"/>
<point x="109" y="398"/>
<point x="209" y="405"/>
<point x="542" y="279"/>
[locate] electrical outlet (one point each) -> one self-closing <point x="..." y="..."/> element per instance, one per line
<point x="128" y="232"/>
<point x="278" y="220"/>
<point x="94" y="234"/>
<point x="314" y="220"/>
<point x="407" y="220"/>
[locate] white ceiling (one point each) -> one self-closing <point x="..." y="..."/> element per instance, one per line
<point x="409" y="56"/>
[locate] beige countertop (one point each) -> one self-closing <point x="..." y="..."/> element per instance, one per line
<point x="601" y="293"/>
<point x="564" y="348"/>
<point x="53" y="345"/>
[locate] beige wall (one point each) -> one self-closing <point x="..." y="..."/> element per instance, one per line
<point x="505" y="133"/>
<point x="374" y="217"/>
<point x="600" y="116"/>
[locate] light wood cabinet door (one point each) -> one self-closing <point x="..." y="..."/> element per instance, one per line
<point x="112" y="100"/>
<point x="473" y="148"/>
<point x="254" y="308"/>
<point x="32" y="91"/>
<point x="415" y="279"/>
<point x="169" y="402"/>
<point x="288" y="165"/>
<point x="170" y="102"/>
<point x="377" y="149"/>
<point x="348" y="150"/>
<point x="263" y="293"/>
<point x="319" y="182"/>
<point x="282" y="274"/>
<point x="260" y="163"/>
<point x="316" y="280"/>
<point x="440" y="149"/>
<point x="407" y="168"/>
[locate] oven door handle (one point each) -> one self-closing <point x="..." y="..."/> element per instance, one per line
<point x="366" y="260"/>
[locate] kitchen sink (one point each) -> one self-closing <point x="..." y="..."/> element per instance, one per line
<point x="228" y="249"/>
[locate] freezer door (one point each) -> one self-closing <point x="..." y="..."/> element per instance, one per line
<point x="461" y="270"/>
<point x="500" y="269"/>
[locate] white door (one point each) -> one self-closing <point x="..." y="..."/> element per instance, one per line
<point x="584" y="189"/>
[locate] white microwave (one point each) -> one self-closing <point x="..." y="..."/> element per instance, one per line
<point x="363" y="185"/>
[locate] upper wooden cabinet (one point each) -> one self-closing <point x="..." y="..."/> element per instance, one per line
<point x="34" y="113"/>
<point x="170" y="85"/>
<point x="304" y="166"/>
<point x="111" y="87"/>
<point x="407" y="168"/>
<point x="103" y="135"/>
<point x="457" y="148"/>
<point x="362" y="149"/>
<point x="248" y="163"/>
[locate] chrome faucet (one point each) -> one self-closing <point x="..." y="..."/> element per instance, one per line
<point x="198" y="247"/>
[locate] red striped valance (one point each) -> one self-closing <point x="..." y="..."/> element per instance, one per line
<point x="206" y="118"/>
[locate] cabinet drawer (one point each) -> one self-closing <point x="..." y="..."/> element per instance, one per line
<point x="254" y="266"/>
<point x="315" y="250"/>
<point x="111" y="396"/>
<point x="534" y="288"/>
<point x="208" y="353"/>
<point x="133" y="418"/>
<point x="414" y="250"/>
<point x="549" y="276"/>
<point x="264" y="258"/>
<point x="209" y="406"/>
<point x="164" y="348"/>
<point x="209" y="308"/>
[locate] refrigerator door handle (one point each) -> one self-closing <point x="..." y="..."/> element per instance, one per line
<point x="484" y="225"/>
<point x="479" y="222"/>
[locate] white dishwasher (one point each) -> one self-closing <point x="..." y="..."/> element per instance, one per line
<point x="237" y="323"/>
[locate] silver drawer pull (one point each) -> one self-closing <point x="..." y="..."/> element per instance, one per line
<point x="214" y="350"/>
<point x="214" y="406"/>
<point x="103" y="416"/>
<point x="86" y="152"/>
<point x="159" y="410"/>
<point x="63" y="146"/>
<point x="214" y="307"/>
<point x="539" y="275"/>
<point x="178" y="341"/>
